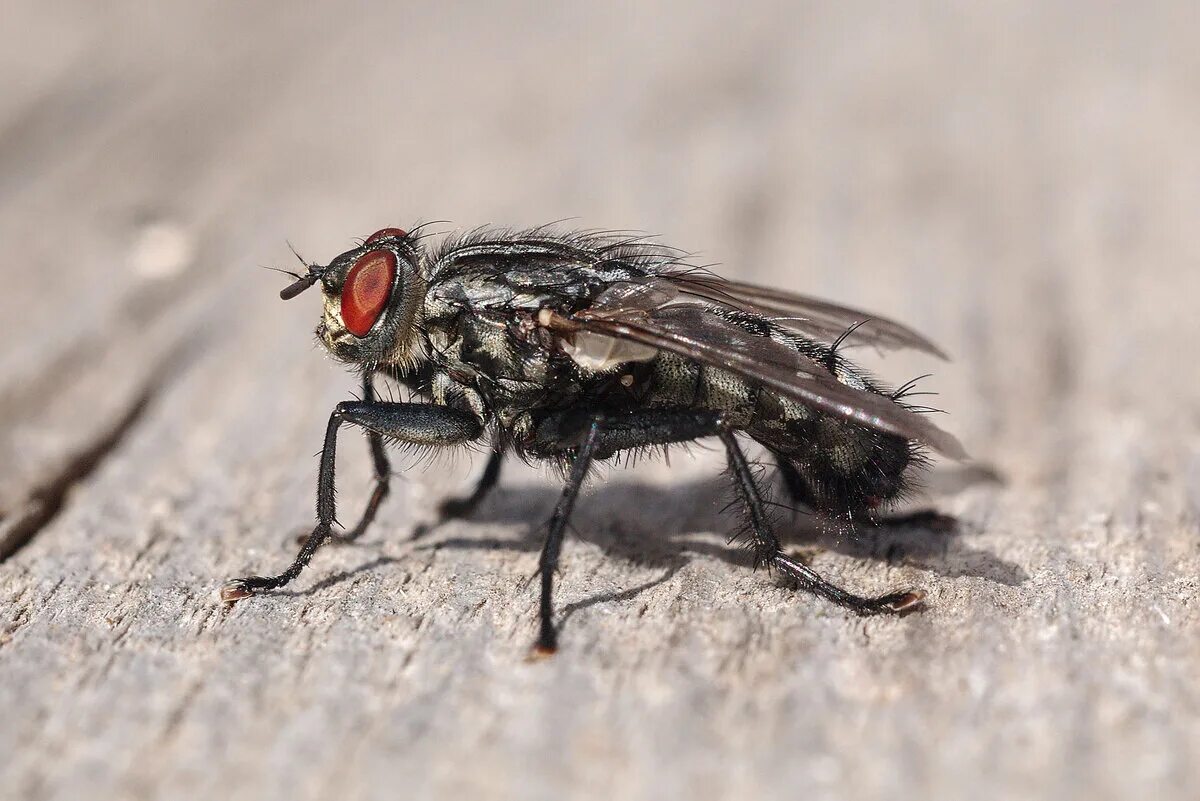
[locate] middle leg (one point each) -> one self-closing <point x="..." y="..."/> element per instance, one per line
<point x="547" y="641"/>
<point x="599" y="436"/>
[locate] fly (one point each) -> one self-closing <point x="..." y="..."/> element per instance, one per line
<point x="575" y="348"/>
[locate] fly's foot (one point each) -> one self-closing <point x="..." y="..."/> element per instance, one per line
<point x="547" y="643"/>
<point x="235" y="590"/>
<point x="898" y="602"/>
<point x="892" y="603"/>
<point x="540" y="653"/>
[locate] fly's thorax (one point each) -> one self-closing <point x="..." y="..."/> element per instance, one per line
<point x="372" y="301"/>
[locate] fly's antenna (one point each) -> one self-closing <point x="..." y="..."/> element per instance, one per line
<point x="295" y="289"/>
<point x="302" y="282"/>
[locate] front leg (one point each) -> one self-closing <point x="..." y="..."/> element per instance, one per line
<point x="383" y="471"/>
<point x="416" y="423"/>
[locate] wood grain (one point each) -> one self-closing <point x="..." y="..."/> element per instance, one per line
<point x="1018" y="180"/>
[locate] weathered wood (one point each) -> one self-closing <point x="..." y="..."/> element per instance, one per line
<point x="1020" y="182"/>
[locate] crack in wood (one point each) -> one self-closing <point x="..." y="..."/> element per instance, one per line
<point x="44" y="503"/>
<point x="47" y="501"/>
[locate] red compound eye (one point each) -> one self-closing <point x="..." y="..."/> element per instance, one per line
<point x="386" y="233"/>
<point x="368" y="287"/>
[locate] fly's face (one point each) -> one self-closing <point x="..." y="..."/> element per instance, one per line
<point x="371" y="296"/>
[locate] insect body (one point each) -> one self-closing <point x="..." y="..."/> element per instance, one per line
<point x="576" y="348"/>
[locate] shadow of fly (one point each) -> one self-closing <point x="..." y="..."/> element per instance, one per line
<point x="580" y="347"/>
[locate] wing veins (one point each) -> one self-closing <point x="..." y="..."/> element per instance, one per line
<point x="773" y="364"/>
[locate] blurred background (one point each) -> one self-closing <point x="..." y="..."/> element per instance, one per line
<point x="1018" y="180"/>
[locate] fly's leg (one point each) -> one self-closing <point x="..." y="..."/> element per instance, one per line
<point x="383" y="474"/>
<point x="768" y="552"/>
<point x="417" y="423"/>
<point x="463" y="507"/>
<point x="547" y="642"/>
<point x="599" y="436"/>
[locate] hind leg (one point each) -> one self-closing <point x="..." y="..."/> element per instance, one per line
<point x="767" y="550"/>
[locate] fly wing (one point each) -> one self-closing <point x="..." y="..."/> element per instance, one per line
<point x="695" y="331"/>
<point x="626" y="297"/>
<point x="818" y="318"/>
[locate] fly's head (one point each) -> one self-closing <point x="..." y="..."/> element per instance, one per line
<point x="372" y="296"/>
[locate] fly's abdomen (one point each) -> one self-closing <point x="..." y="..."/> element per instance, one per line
<point x="677" y="382"/>
<point x="842" y="467"/>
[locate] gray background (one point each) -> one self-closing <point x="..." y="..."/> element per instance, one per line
<point x="1018" y="180"/>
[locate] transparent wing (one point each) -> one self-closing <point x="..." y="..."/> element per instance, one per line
<point x="820" y="319"/>
<point x="645" y="314"/>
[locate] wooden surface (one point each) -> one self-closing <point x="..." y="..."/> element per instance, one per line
<point x="1021" y="181"/>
